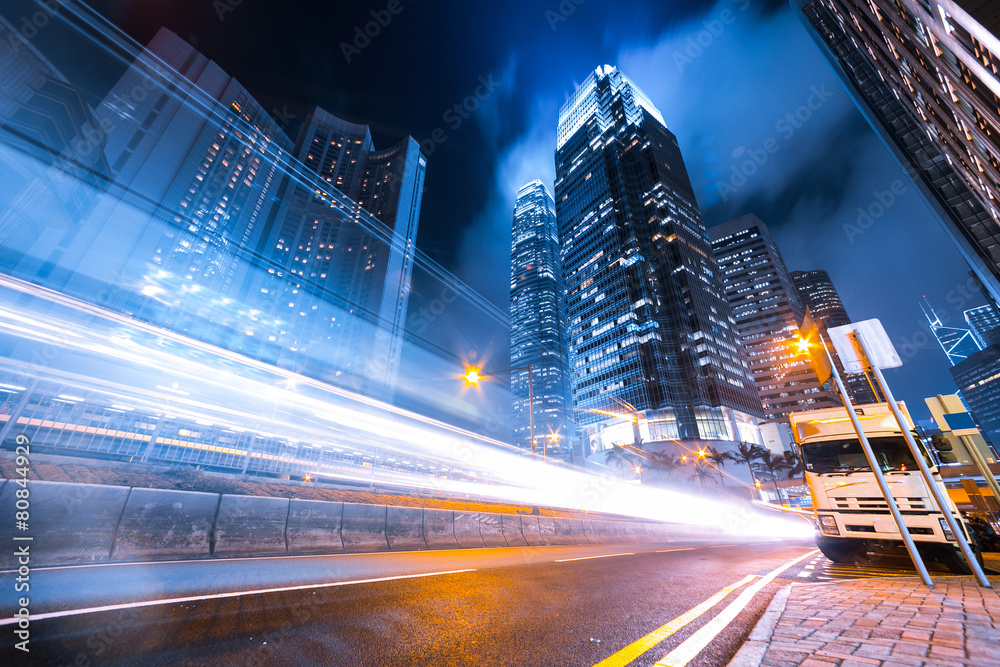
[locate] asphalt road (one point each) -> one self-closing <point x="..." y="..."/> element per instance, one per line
<point x="466" y="607"/>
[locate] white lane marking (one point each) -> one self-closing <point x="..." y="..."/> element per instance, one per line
<point x="220" y="596"/>
<point x="722" y="546"/>
<point x="566" y="560"/>
<point x="667" y="551"/>
<point x="694" y="644"/>
<point x="809" y="567"/>
<point x="804" y="574"/>
<point x="628" y="654"/>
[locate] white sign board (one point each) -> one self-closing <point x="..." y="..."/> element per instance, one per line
<point x="883" y="353"/>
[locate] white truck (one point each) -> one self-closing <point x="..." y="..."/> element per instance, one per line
<point x="852" y="517"/>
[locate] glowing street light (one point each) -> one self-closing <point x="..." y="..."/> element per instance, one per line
<point x="701" y="453"/>
<point x="472" y="377"/>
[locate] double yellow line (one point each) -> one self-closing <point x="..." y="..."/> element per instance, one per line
<point x="694" y="644"/>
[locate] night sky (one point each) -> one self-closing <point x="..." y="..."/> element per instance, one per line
<point x="727" y="77"/>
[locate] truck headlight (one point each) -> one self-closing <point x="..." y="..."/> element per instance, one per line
<point x="948" y="535"/>
<point x="828" y="525"/>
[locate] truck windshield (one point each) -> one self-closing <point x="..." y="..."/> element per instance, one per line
<point x="891" y="453"/>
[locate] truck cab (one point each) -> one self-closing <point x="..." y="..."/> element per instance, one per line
<point x="852" y="516"/>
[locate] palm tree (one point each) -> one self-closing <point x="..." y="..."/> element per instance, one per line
<point x="668" y="462"/>
<point x="701" y="472"/>
<point x="796" y="466"/>
<point x="617" y="453"/>
<point x="748" y="453"/>
<point x="719" y="459"/>
<point x="773" y="463"/>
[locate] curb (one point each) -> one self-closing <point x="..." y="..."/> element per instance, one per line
<point x="752" y="652"/>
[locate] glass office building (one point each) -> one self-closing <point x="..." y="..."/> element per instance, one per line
<point x="768" y="314"/>
<point x="538" y="327"/>
<point x="818" y="294"/>
<point x="654" y="349"/>
<point x="924" y="74"/>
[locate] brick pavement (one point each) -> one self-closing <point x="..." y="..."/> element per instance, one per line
<point x="890" y="622"/>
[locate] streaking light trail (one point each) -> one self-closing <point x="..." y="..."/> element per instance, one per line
<point x="96" y="355"/>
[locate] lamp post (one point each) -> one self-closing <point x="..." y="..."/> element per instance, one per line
<point x="474" y="374"/>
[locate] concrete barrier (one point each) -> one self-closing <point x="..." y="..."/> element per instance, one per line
<point x="529" y="530"/>
<point x="70" y="523"/>
<point x="363" y="528"/>
<point x="250" y="525"/>
<point x="467" y="530"/>
<point x="547" y="529"/>
<point x="566" y="532"/>
<point x="159" y="523"/>
<point x="404" y="528"/>
<point x="439" y="529"/>
<point x="512" y="530"/>
<point x="491" y="530"/>
<point x="314" y="527"/>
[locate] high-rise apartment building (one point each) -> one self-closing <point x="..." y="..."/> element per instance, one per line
<point x="818" y="295"/>
<point x="652" y="337"/>
<point x="924" y="73"/>
<point x="538" y="326"/>
<point x="768" y="314"/>
<point x="344" y="253"/>
<point x="984" y="325"/>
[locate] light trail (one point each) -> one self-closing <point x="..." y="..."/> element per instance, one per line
<point x="131" y="363"/>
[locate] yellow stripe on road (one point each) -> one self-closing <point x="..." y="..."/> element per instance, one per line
<point x="694" y="644"/>
<point x="637" y="648"/>
<point x="567" y="560"/>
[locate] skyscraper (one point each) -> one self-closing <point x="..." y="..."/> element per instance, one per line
<point x="978" y="379"/>
<point x="538" y="326"/>
<point x="652" y="337"/>
<point x="768" y="314"/>
<point x="924" y="74"/>
<point x="984" y="324"/>
<point x="957" y="343"/>
<point x="820" y="297"/>
<point x="346" y="252"/>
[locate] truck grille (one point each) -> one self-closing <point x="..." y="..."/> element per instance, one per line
<point x="877" y="503"/>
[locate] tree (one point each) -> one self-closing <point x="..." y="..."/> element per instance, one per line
<point x="619" y="454"/>
<point x="719" y="459"/>
<point x="701" y="472"/>
<point x="668" y="462"/>
<point x="796" y="466"/>
<point x="748" y="454"/>
<point x="773" y="464"/>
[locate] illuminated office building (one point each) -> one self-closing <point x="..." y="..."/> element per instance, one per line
<point x="768" y="314"/>
<point x="653" y="342"/>
<point x="924" y="74"/>
<point x="984" y="324"/>
<point x="820" y="297"/>
<point x="344" y="253"/>
<point x="538" y="326"/>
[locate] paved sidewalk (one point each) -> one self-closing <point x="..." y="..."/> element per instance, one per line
<point x="889" y="622"/>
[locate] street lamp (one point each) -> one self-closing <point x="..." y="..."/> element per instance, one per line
<point x="474" y="374"/>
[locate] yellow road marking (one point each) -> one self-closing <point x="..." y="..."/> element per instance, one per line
<point x="566" y="560"/>
<point x="693" y="645"/>
<point x="640" y="646"/>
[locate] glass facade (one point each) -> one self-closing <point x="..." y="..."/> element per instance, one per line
<point x="820" y="297"/>
<point x="650" y="329"/>
<point x="984" y="324"/>
<point x="538" y="326"/>
<point x="768" y="314"/>
<point x="925" y="76"/>
<point x="978" y="379"/>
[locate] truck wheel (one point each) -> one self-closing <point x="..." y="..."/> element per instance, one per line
<point x="842" y="550"/>
<point x="952" y="558"/>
